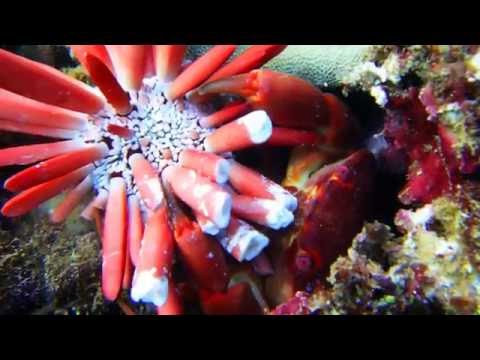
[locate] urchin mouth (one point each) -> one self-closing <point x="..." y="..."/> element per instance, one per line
<point x="156" y="127"/>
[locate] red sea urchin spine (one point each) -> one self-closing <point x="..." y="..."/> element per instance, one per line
<point x="265" y="212"/>
<point x="45" y="84"/>
<point x="248" y="182"/>
<point x="31" y="198"/>
<point x="242" y="241"/>
<point x="129" y="64"/>
<point x="202" y="195"/>
<point x="71" y="200"/>
<point x="202" y="255"/>
<point x="206" y="164"/>
<point x="250" y="130"/>
<point x="99" y="51"/>
<point x="151" y="278"/>
<point x="207" y="225"/>
<point x="108" y="84"/>
<point x="200" y="70"/>
<point x="17" y="127"/>
<point x="114" y="239"/>
<point x="28" y="154"/>
<point x="173" y="304"/>
<point x="98" y="203"/>
<point x="168" y="60"/>
<point x="135" y="229"/>
<point x="252" y="58"/>
<point x="55" y="167"/>
<point x="230" y="112"/>
<point x="23" y="110"/>
<point x="147" y="180"/>
<point x="128" y="269"/>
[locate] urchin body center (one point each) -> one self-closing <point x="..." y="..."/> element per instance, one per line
<point x="156" y="127"/>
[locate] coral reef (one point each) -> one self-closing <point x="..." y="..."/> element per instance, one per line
<point x="432" y="267"/>
<point x="47" y="269"/>
<point x="398" y="235"/>
<point x="323" y="65"/>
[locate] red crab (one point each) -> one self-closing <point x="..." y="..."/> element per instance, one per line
<point x="140" y="138"/>
<point x="334" y="203"/>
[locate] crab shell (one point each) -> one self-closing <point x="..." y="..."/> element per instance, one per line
<point x="333" y="205"/>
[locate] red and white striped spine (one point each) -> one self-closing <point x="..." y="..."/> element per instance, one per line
<point x="265" y="212"/>
<point x="249" y="182"/>
<point x="249" y="130"/>
<point x="242" y="241"/>
<point x="202" y="195"/>
<point x="206" y="164"/>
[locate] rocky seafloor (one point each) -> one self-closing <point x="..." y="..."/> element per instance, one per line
<point x="419" y="252"/>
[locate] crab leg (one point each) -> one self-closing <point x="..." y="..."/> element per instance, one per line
<point x="28" y="154"/>
<point x="98" y="51"/>
<point x="173" y="305"/>
<point x="147" y="181"/>
<point x="31" y="198"/>
<point x="105" y="80"/>
<point x="289" y="101"/>
<point x="151" y="278"/>
<point x="200" y="70"/>
<point x="135" y="228"/>
<point x="248" y="182"/>
<point x="228" y="113"/>
<point x="251" y="129"/>
<point x="129" y="64"/>
<point x="265" y="212"/>
<point x="17" y="127"/>
<point x="252" y="58"/>
<point x="55" y="167"/>
<point x="98" y="203"/>
<point x="203" y="256"/>
<point x="45" y="84"/>
<point x="262" y="265"/>
<point x="202" y="195"/>
<point x="168" y="60"/>
<point x="71" y="200"/>
<point x="212" y="166"/>
<point x="114" y="239"/>
<point x="292" y="137"/>
<point x="24" y="110"/>
<point x="242" y="241"/>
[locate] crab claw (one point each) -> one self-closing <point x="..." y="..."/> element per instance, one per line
<point x="289" y="101"/>
<point x="332" y="208"/>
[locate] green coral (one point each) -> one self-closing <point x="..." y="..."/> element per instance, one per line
<point x="323" y="65"/>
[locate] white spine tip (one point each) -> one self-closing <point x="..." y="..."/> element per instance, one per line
<point x="209" y="228"/>
<point x="259" y="126"/>
<point x="253" y="245"/>
<point x="279" y="217"/>
<point x="222" y="171"/>
<point x="150" y="289"/>
<point x="223" y="211"/>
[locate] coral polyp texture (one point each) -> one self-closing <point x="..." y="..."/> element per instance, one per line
<point x="153" y="146"/>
